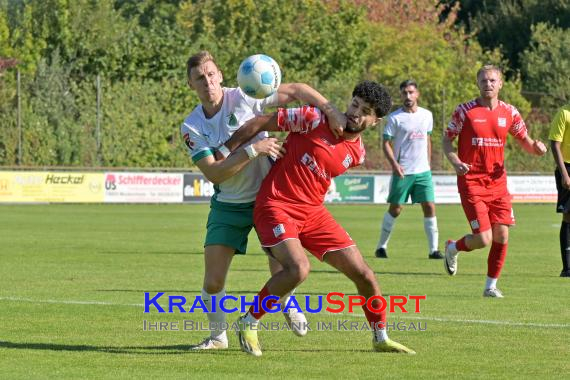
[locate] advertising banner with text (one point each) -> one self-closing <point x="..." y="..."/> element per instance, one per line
<point x="351" y="189"/>
<point x="57" y="187"/>
<point x="124" y="187"/>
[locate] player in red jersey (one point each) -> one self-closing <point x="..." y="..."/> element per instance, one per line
<point x="289" y="214"/>
<point x="481" y="127"/>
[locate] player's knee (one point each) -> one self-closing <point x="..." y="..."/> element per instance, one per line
<point x="366" y="277"/>
<point x="429" y="209"/>
<point x="299" y="270"/>
<point x="395" y="210"/>
<point x="484" y="239"/>
<point x="213" y="284"/>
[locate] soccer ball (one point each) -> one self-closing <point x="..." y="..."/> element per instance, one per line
<point x="259" y="76"/>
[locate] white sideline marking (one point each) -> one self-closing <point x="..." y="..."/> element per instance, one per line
<point x="435" y="319"/>
<point x="481" y="321"/>
<point x="19" y="299"/>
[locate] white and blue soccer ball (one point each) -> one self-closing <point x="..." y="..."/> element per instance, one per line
<point x="259" y="76"/>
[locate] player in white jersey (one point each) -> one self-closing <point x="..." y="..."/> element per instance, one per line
<point x="409" y="131"/>
<point x="237" y="178"/>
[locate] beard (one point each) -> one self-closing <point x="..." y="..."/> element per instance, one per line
<point x="353" y="128"/>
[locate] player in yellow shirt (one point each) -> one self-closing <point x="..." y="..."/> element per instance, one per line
<point x="560" y="143"/>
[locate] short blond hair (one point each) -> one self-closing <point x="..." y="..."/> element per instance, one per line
<point x="490" y="67"/>
<point x="198" y="59"/>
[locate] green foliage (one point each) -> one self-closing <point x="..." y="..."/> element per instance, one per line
<point x="506" y="24"/>
<point x="5" y="48"/>
<point x="136" y="131"/>
<point x="51" y="135"/>
<point x="546" y="64"/>
<point x="234" y="29"/>
<point x="139" y="49"/>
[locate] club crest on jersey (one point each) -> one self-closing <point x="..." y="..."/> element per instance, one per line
<point x="502" y="122"/>
<point x="278" y="230"/>
<point x="189" y="143"/>
<point x="347" y="161"/>
<point x="474" y="224"/>
<point x="232" y="120"/>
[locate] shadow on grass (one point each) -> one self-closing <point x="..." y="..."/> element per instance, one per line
<point x="165" y="253"/>
<point x="149" y="253"/>
<point x="179" y="349"/>
<point x="380" y="273"/>
<point x="141" y="350"/>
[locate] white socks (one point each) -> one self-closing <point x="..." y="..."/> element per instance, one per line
<point x="380" y="335"/>
<point x="217" y="318"/>
<point x="250" y="319"/>
<point x="491" y="283"/>
<point x="387" y="225"/>
<point x="430" y="227"/>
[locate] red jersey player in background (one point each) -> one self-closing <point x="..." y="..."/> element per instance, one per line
<point x="289" y="213"/>
<point x="481" y="126"/>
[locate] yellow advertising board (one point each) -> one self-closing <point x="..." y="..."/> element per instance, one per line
<point x="57" y="187"/>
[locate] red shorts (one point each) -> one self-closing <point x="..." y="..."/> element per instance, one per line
<point x="486" y="205"/>
<point x="313" y="226"/>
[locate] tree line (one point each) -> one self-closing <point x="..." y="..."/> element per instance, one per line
<point x="138" y="48"/>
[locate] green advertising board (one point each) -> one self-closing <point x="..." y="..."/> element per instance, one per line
<point x="351" y="189"/>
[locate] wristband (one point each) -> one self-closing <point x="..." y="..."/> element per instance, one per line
<point x="224" y="150"/>
<point x="251" y="152"/>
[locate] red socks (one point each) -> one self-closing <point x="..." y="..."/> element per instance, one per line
<point x="263" y="293"/>
<point x="496" y="259"/>
<point x="461" y="246"/>
<point x="376" y="320"/>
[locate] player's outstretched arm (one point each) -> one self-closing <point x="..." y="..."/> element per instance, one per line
<point x="531" y="146"/>
<point x="218" y="171"/>
<point x="289" y="92"/>
<point x="251" y="128"/>
<point x="461" y="168"/>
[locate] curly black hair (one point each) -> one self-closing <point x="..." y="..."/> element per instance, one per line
<point x="374" y="94"/>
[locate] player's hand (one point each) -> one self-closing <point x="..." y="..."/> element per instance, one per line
<point x="461" y="168"/>
<point x="337" y="122"/>
<point x="397" y="170"/>
<point x="269" y="147"/>
<point x="539" y="148"/>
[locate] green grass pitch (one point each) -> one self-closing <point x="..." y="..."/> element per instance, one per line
<point x="73" y="277"/>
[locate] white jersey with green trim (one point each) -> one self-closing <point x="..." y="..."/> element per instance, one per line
<point x="409" y="132"/>
<point x="202" y="136"/>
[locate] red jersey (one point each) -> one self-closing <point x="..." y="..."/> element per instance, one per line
<point x="314" y="156"/>
<point x="482" y="136"/>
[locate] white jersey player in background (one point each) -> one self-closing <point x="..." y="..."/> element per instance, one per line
<point x="409" y="130"/>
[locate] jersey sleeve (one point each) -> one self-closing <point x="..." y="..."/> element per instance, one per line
<point x="430" y="123"/>
<point x="258" y="106"/>
<point x="456" y="124"/>
<point x="518" y="127"/>
<point x="389" y="128"/>
<point x="299" y="120"/>
<point x="558" y="125"/>
<point x="196" y="145"/>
